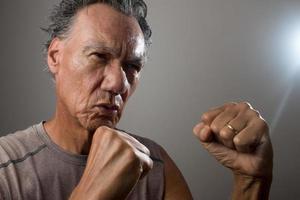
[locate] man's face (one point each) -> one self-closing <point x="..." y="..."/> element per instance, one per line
<point x="99" y="66"/>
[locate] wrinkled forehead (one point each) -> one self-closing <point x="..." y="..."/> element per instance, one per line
<point x="102" y="23"/>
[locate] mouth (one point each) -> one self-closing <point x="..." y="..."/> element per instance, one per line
<point x="107" y="109"/>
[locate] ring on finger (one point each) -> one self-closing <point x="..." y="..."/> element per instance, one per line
<point x="231" y="128"/>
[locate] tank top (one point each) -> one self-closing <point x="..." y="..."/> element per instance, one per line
<point x="33" y="167"/>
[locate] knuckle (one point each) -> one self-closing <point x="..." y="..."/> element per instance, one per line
<point x="245" y="105"/>
<point x="264" y="125"/>
<point x="261" y="124"/>
<point x="147" y="151"/>
<point x="231" y="111"/>
<point x="225" y="134"/>
<point x="130" y="154"/>
<point x="262" y="119"/>
<point x="215" y="128"/>
<point x="238" y="142"/>
<point x="111" y="135"/>
<point x="120" y="142"/>
<point x="151" y="163"/>
<point x="230" y="104"/>
<point x="148" y="163"/>
<point x="254" y="113"/>
<point x="228" y="109"/>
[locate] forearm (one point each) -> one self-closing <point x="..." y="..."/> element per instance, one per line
<point x="251" y="188"/>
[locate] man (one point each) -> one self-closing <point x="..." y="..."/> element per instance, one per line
<point x="96" y="54"/>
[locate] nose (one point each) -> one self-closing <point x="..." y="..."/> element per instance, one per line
<point x="115" y="79"/>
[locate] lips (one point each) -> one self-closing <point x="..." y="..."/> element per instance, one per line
<point x="108" y="109"/>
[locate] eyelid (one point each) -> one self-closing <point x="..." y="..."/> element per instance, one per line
<point x="136" y="66"/>
<point x="101" y="55"/>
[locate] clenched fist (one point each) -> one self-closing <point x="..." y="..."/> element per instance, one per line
<point x="115" y="164"/>
<point x="238" y="137"/>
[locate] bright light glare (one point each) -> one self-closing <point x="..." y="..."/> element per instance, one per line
<point x="294" y="48"/>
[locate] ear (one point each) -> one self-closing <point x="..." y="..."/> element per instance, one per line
<point x="53" y="55"/>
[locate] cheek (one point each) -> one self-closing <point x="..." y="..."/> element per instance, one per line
<point x="70" y="90"/>
<point x="86" y="91"/>
<point x="76" y="82"/>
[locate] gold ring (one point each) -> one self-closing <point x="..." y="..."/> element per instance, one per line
<point x="231" y="128"/>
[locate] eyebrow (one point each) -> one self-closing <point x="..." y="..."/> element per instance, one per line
<point x="100" y="46"/>
<point x="137" y="60"/>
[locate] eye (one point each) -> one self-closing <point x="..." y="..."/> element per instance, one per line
<point x="102" y="57"/>
<point x="131" y="66"/>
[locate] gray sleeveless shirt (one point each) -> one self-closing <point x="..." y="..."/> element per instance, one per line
<point x="32" y="167"/>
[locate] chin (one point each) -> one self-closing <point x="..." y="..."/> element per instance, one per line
<point x="94" y="124"/>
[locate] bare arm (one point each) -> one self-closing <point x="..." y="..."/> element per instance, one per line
<point x="176" y="187"/>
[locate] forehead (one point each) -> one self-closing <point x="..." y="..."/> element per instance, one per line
<point x="100" y="23"/>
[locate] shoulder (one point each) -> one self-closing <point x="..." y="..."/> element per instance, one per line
<point x="16" y="162"/>
<point x="15" y="146"/>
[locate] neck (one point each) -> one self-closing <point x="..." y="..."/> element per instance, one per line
<point x="67" y="132"/>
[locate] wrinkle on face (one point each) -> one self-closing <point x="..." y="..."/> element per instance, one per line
<point x="101" y="29"/>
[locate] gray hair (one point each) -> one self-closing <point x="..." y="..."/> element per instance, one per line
<point x="63" y="14"/>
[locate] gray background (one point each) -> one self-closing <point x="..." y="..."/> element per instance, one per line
<point x="204" y="53"/>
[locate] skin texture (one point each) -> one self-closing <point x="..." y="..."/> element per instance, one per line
<point x="96" y="68"/>
<point x="117" y="152"/>
<point x="247" y="150"/>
